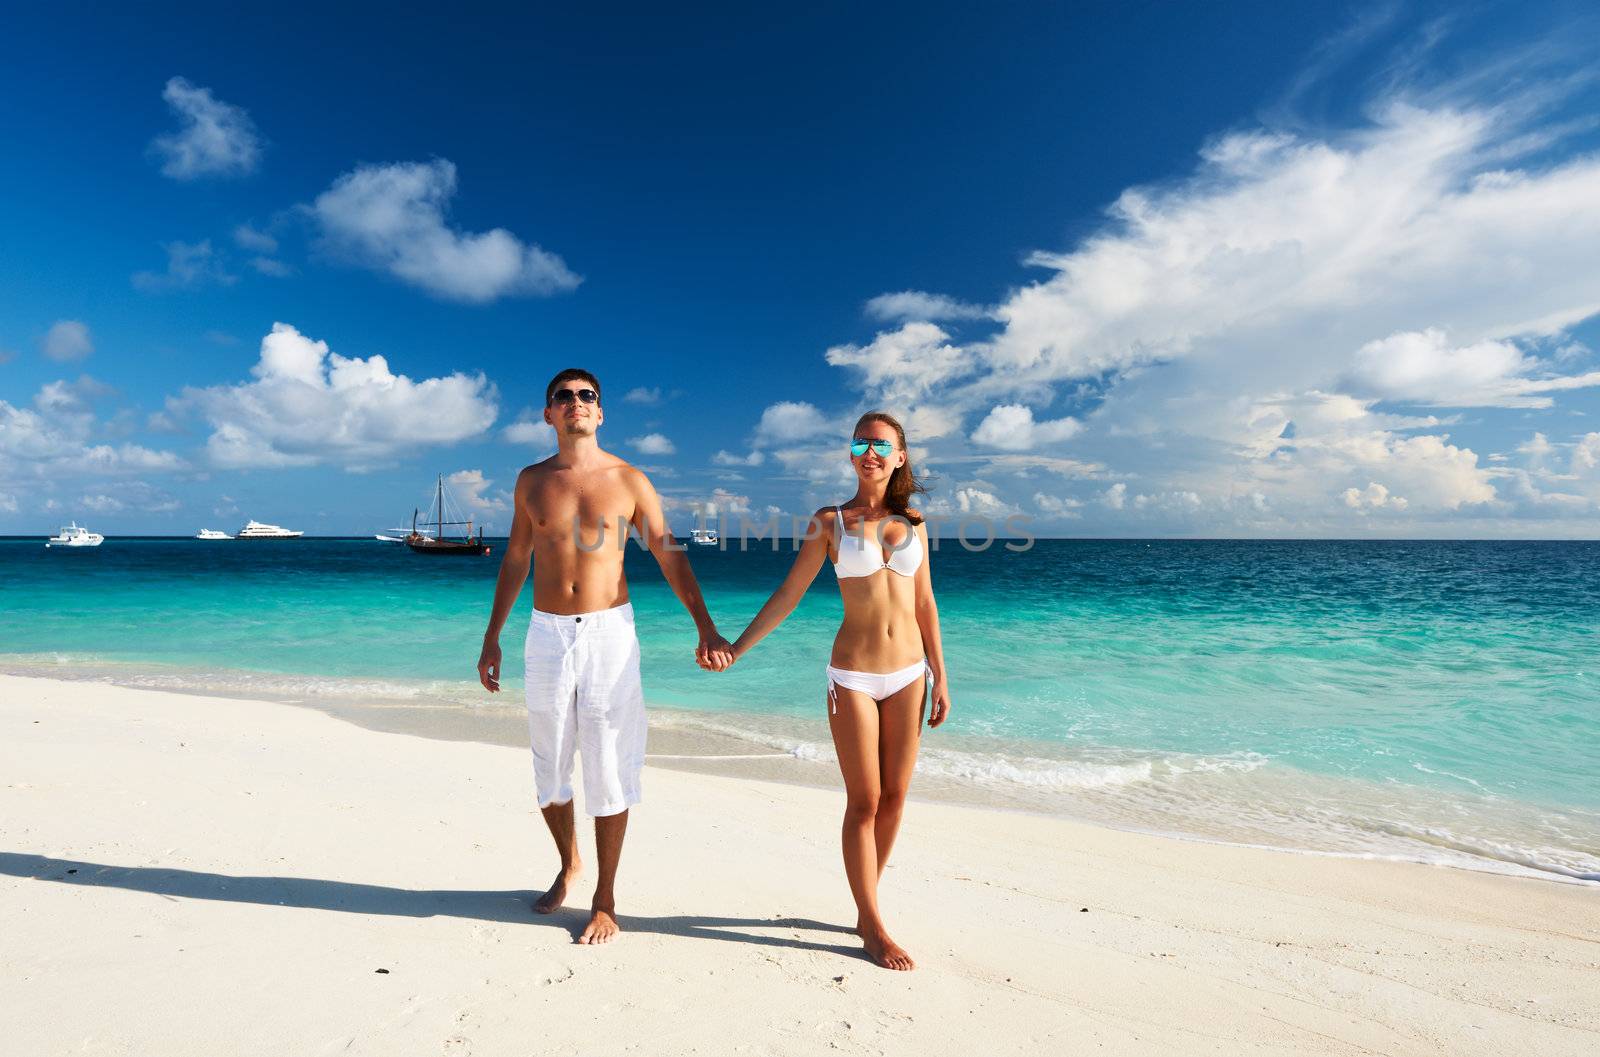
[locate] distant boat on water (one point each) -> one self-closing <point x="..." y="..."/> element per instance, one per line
<point x="75" y="535"/>
<point x="211" y="534"/>
<point x="705" y="537"/>
<point x="256" y="530"/>
<point x="427" y="535"/>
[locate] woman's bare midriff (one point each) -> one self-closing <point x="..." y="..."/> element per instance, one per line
<point x="880" y="632"/>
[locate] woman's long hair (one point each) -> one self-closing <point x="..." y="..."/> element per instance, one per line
<point x="903" y="483"/>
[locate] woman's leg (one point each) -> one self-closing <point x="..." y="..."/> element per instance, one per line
<point x="854" y="721"/>
<point x="899" y="735"/>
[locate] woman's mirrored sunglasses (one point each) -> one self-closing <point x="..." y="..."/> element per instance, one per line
<point x="883" y="448"/>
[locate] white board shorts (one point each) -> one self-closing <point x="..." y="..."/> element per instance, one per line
<point x="584" y="696"/>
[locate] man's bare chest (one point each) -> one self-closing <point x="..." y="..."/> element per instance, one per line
<point x="558" y="509"/>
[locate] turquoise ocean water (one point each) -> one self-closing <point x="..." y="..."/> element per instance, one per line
<point x="1434" y="701"/>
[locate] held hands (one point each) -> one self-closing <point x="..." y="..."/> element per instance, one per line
<point x="489" y="666"/>
<point x="714" y="653"/>
<point x="941" y="703"/>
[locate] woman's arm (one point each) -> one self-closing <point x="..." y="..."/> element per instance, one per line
<point x="804" y="570"/>
<point x="928" y="622"/>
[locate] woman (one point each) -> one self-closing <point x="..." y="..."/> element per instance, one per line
<point x="887" y="646"/>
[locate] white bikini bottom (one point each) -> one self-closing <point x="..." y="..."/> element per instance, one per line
<point x="875" y="685"/>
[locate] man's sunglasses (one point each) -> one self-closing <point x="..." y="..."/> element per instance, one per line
<point x="567" y="396"/>
<point x="859" y="446"/>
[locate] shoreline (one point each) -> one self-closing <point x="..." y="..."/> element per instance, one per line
<point x="755" y="746"/>
<point x="221" y="875"/>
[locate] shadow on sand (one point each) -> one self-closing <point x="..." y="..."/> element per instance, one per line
<point x="512" y="907"/>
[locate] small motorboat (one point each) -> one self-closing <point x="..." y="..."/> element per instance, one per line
<point x="75" y="535"/>
<point x="211" y="534"/>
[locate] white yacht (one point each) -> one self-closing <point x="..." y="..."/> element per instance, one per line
<point x="256" y="530"/>
<point x="75" y="535"/>
<point x="211" y="534"/>
<point x="706" y="537"/>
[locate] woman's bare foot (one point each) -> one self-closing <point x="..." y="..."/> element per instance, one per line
<point x="602" y="928"/>
<point x="883" y="950"/>
<point x="557" y="894"/>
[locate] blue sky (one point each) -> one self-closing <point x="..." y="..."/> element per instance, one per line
<point x="1125" y="269"/>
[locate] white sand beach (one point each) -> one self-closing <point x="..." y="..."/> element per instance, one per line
<point x="193" y="875"/>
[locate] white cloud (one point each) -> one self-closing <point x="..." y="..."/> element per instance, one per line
<point x="188" y="265"/>
<point x="640" y="395"/>
<point x="469" y="487"/>
<point x="653" y="444"/>
<point x="54" y="439"/>
<point x="1242" y="331"/>
<point x="1012" y="427"/>
<point x="1586" y="453"/>
<point x="8" y="503"/>
<point x="722" y="501"/>
<point x="916" y="306"/>
<point x="214" y="138"/>
<point x="1374" y="497"/>
<point x="308" y="405"/>
<point x="926" y="422"/>
<point x="1536" y="448"/>
<point x="531" y="432"/>
<point x="1062" y="506"/>
<point x="67" y="340"/>
<point x="1186" y="501"/>
<point x="261" y="246"/>
<point x="1337" y="437"/>
<point x="392" y="218"/>
<point x="727" y="458"/>
<point x="900" y="367"/>
<point x="256" y="241"/>
<point x="788" y="421"/>
<point x="1279" y="237"/>
<point x="101" y="504"/>
<point x="978" y="502"/>
<point x="1424" y="367"/>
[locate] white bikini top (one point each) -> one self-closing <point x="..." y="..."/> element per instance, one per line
<point x="862" y="555"/>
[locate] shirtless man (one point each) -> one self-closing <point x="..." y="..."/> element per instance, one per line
<point x="582" y="673"/>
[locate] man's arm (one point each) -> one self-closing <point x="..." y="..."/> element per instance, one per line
<point x="651" y="524"/>
<point x="513" y="574"/>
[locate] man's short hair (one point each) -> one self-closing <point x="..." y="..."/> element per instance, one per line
<point x="567" y="375"/>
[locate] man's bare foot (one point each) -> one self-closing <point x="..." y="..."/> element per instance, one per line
<point x="602" y="928"/>
<point x="552" y="899"/>
<point x="883" y="950"/>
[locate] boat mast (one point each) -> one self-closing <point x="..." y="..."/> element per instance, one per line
<point x="441" y="506"/>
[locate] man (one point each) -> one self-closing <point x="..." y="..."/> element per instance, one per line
<point x="572" y="514"/>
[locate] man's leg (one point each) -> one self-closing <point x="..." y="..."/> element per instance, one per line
<point x="559" y="818"/>
<point x="552" y="734"/>
<point x="608" y="833"/>
<point x="612" y="732"/>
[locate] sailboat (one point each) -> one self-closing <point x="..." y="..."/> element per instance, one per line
<point x="428" y="535"/>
